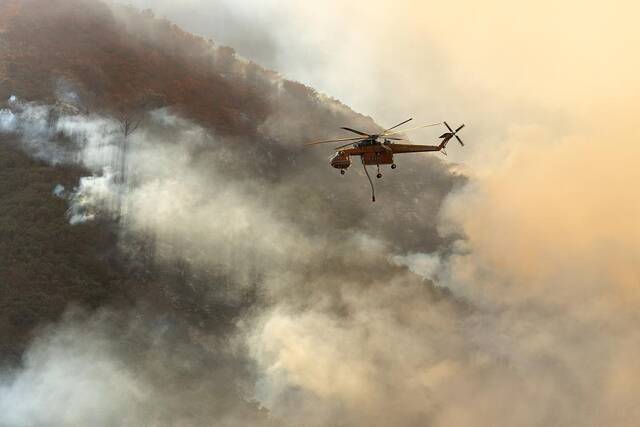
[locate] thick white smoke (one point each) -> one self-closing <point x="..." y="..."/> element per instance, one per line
<point x="110" y="369"/>
<point x="183" y="186"/>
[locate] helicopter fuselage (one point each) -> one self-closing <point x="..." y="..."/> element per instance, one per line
<point x="371" y="154"/>
<point x="377" y="153"/>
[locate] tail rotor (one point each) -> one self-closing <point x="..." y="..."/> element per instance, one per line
<point x="453" y="133"/>
<point x="446" y="137"/>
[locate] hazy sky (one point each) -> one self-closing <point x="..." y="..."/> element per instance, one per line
<point x="496" y="64"/>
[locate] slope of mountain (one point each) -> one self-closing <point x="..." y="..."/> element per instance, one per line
<point x="113" y="67"/>
<point x="229" y="213"/>
<point x="48" y="48"/>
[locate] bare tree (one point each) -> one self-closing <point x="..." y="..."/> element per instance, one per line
<point x="129" y="125"/>
<point x="131" y="115"/>
<point x="130" y="118"/>
<point x="129" y="122"/>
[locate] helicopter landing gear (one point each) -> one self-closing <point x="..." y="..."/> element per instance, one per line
<point x="393" y="166"/>
<point x="379" y="176"/>
<point x="342" y="172"/>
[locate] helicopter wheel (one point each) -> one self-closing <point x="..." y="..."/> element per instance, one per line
<point x="393" y="166"/>
<point x="379" y="176"/>
<point x="342" y="172"/>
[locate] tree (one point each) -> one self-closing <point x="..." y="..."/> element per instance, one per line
<point x="129" y="122"/>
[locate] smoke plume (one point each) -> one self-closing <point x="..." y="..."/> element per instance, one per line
<point x="510" y="300"/>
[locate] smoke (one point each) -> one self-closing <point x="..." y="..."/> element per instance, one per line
<point x="93" y="193"/>
<point x="7" y="121"/>
<point x="380" y="315"/>
<point x="548" y="269"/>
<point x="124" y="369"/>
<point x="238" y="220"/>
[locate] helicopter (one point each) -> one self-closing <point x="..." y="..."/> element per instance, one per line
<point x="379" y="149"/>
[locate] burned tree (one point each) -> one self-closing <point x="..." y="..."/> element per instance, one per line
<point x="130" y="117"/>
<point x="129" y="120"/>
<point x="129" y="123"/>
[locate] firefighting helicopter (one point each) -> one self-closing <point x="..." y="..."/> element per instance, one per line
<point x="378" y="149"/>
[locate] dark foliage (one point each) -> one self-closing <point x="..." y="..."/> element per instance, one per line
<point x="44" y="262"/>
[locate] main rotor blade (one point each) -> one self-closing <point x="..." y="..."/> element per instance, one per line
<point x="355" y="131"/>
<point x="351" y="143"/>
<point x="393" y="138"/>
<point x="399" y="124"/>
<point x="448" y="127"/>
<point x="459" y="140"/>
<point x="459" y="128"/>
<point x="334" y="140"/>
<point x="383" y="135"/>
<point x="345" y="145"/>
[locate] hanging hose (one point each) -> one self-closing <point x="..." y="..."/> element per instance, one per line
<point x="373" y="190"/>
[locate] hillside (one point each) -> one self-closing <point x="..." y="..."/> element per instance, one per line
<point x="227" y="216"/>
<point x="114" y="66"/>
